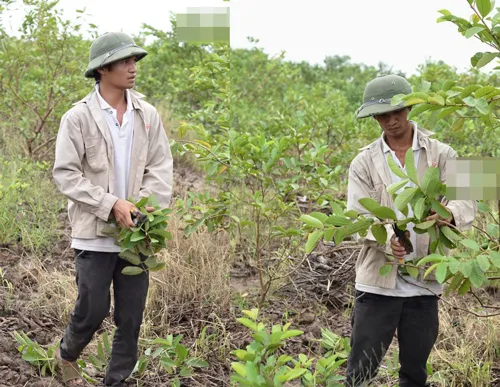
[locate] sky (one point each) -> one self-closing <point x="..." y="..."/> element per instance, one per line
<point x="401" y="33"/>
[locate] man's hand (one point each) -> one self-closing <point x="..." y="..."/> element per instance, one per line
<point x="122" y="212"/>
<point x="440" y="221"/>
<point x="150" y="209"/>
<point x="397" y="250"/>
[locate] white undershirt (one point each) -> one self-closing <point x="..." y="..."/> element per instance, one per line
<point x="405" y="286"/>
<point x="122" y="136"/>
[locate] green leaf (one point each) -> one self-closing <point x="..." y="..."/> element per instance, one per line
<point x="132" y="270"/>
<point x="473" y="30"/>
<point x="385" y="213"/>
<point x="142" y="202"/>
<point x="431" y="181"/>
<point x="312" y="240"/>
<point x="130" y="256"/>
<point x="470" y="244"/>
<point x="437" y="99"/>
<point x="294" y="373"/>
<point x="405" y="197"/>
<point x="482" y="106"/>
<point x="311" y="221"/>
<point x="419" y="208"/>
<point x="411" y="171"/>
<point x="380" y="233"/>
<point x="329" y="234"/>
<point x="196" y="362"/>
<point x="450" y="234"/>
<point x="239" y="369"/>
<point x="477" y="277"/>
<point x="415" y="101"/>
<point x="291" y="333"/>
<point x="158" y="267"/>
<point x="483" y="262"/>
<point x="484" y="91"/>
<point x="483" y="207"/>
<point x="425" y="225"/>
<point x="248" y="323"/>
<point x="369" y="203"/>
<point x="446" y="242"/>
<point x="161" y="233"/>
<point x="394" y="167"/>
<point x="186" y="372"/>
<point x="351" y="214"/>
<point x="137" y="236"/>
<point x="441" y="272"/>
<point x="336" y="220"/>
<point x="431" y="258"/>
<point x="455" y="282"/>
<point x="485" y="59"/>
<point x="322" y="217"/>
<point x="386" y="269"/>
<point x="111" y="231"/>
<point x="440" y="209"/>
<point x="493" y="230"/>
<point x="395" y="187"/>
<point x="252" y="313"/>
<point x="453" y="265"/>
<point x="356" y="227"/>
<point x="484" y="7"/>
<point x="494" y="258"/>
<point x="465" y="287"/>
<point x="413" y="271"/>
<point x="151" y="262"/>
<point x="430" y="269"/>
<point x="458" y="124"/>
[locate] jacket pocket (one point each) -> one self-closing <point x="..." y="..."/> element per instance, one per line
<point x="96" y="153"/>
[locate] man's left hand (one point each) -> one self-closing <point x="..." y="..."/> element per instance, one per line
<point x="440" y="221"/>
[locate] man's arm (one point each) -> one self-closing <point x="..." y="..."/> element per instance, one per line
<point x="68" y="171"/>
<point x="358" y="186"/>
<point x="158" y="174"/>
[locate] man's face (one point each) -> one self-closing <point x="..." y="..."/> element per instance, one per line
<point x="395" y="124"/>
<point x="120" y="74"/>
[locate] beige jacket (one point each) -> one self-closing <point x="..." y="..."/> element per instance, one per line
<point x="84" y="163"/>
<point x="369" y="176"/>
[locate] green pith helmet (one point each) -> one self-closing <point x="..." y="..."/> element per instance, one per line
<point x="111" y="47"/>
<point x="378" y="94"/>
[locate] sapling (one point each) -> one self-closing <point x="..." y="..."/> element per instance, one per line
<point x="140" y="245"/>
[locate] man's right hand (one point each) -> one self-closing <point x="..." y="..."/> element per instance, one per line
<point x="121" y="211"/>
<point x="397" y="250"/>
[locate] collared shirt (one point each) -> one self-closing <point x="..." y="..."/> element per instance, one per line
<point x="406" y="286"/>
<point x="122" y="136"/>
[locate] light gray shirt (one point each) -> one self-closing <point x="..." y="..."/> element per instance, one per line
<point x="122" y="136"/>
<point x="406" y="286"/>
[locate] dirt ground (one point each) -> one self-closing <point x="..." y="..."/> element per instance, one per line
<point x="45" y="329"/>
<point x="286" y="303"/>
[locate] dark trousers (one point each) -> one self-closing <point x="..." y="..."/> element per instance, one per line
<point x="375" y="320"/>
<point x="94" y="273"/>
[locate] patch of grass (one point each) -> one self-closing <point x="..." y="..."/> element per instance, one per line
<point x="29" y="204"/>
<point x="466" y="350"/>
<point x="54" y="292"/>
<point x="195" y="283"/>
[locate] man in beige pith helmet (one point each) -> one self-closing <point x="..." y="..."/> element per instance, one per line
<point x="111" y="146"/>
<point x="397" y="301"/>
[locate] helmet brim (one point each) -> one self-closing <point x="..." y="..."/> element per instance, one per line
<point x="104" y="60"/>
<point x="377" y="108"/>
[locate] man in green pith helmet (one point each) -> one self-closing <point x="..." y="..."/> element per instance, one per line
<point x="397" y="301"/>
<point x="111" y="146"/>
